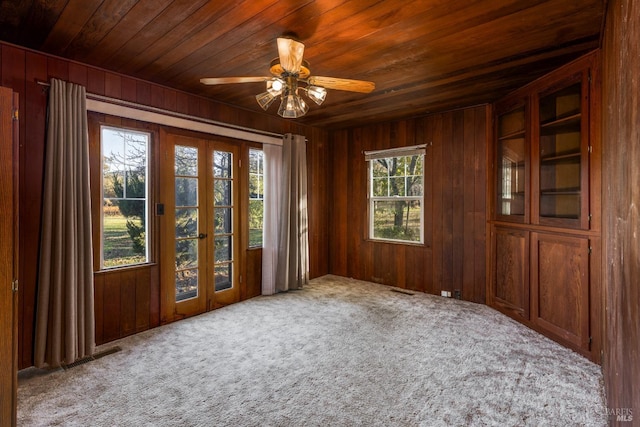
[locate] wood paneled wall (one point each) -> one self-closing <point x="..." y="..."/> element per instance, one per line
<point x="127" y="302"/>
<point x="453" y="255"/>
<point x="621" y="199"/>
<point x="20" y="70"/>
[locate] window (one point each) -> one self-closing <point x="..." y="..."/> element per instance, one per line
<point x="125" y="207"/>
<point x="256" y="197"/>
<point x="396" y="194"/>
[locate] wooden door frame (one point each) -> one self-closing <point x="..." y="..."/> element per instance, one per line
<point x="9" y="176"/>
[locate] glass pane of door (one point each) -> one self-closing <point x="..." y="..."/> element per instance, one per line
<point x="560" y="153"/>
<point x="224" y="229"/>
<point x="187" y="216"/>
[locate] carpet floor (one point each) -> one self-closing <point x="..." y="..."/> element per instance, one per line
<point x="340" y="352"/>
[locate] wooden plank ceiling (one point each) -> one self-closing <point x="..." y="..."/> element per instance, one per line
<point x="423" y="55"/>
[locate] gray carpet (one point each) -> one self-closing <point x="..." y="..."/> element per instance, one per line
<point x="339" y="353"/>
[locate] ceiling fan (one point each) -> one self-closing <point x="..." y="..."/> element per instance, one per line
<point x="290" y="73"/>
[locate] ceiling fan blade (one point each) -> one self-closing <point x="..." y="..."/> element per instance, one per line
<point x="290" y="53"/>
<point x="227" y="80"/>
<point x="342" y="84"/>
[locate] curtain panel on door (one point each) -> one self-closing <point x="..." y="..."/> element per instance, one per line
<point x="293" y="242"/>
<point x="270" y="235"/>
<point x="285" y="246"/>
<point x="65" y="322"/>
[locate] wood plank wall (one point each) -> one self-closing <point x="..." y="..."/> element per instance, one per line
<point x="453" y="256"/>
<point x="621" y="197"/>
<point x="20" y="69"/>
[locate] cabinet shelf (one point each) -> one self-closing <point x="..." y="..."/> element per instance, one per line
<point x="560" y="129"/>
<point x="513" y="135"/>
<point x="561" y="192"/>
<point x="573" y="156"/>
<point x="572" y="119"/>
<point x="567" y="216"/>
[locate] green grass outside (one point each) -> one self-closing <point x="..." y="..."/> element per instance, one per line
<point x="255" y="237"/>
<point x="117" y="247"/>
<point x="384" y="227"/>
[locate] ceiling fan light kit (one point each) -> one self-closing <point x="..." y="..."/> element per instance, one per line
<point x="292" y="105"/>
<point x="288" y="71"/>
<point x="316" y="93"/>
<point x="265" y="99"/>
<point x="274" y="89"/>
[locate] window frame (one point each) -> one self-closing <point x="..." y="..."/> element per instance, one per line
<point x="370" y="158"/>
<point x="148" y="255"/>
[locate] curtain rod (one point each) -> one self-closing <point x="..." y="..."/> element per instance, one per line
<point x="133" y="105"/>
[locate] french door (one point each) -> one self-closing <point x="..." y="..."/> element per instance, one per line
<point x="199" y="237"/>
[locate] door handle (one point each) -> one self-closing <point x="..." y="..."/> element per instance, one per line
<point x="202" y="236"/>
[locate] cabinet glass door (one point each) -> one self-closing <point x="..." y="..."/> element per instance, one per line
<point x="511" y="166"/>
<point x="561" y="156"/>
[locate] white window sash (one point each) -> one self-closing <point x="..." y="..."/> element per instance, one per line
<point x="414" y="150"/>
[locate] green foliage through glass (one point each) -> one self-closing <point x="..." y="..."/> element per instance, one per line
<point x="256" y="197"/>
<point x="124" y="188"/>
<point x="395" y="195"/>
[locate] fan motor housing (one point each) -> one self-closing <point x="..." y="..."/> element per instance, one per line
<point x="277" y="71"/>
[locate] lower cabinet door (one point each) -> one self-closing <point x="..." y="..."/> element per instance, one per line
<point x="509" y="290"/>
<point x="560" y="287"/>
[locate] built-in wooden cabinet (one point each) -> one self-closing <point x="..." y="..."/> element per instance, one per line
<point x="546" y="206"/>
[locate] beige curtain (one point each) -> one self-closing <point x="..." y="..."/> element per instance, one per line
<point x="293" y="243"/>
<point x="65" y="321"/>
<point x="271" y="217"/>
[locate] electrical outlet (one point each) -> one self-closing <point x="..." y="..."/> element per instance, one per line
<point x="446" y="294"/>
